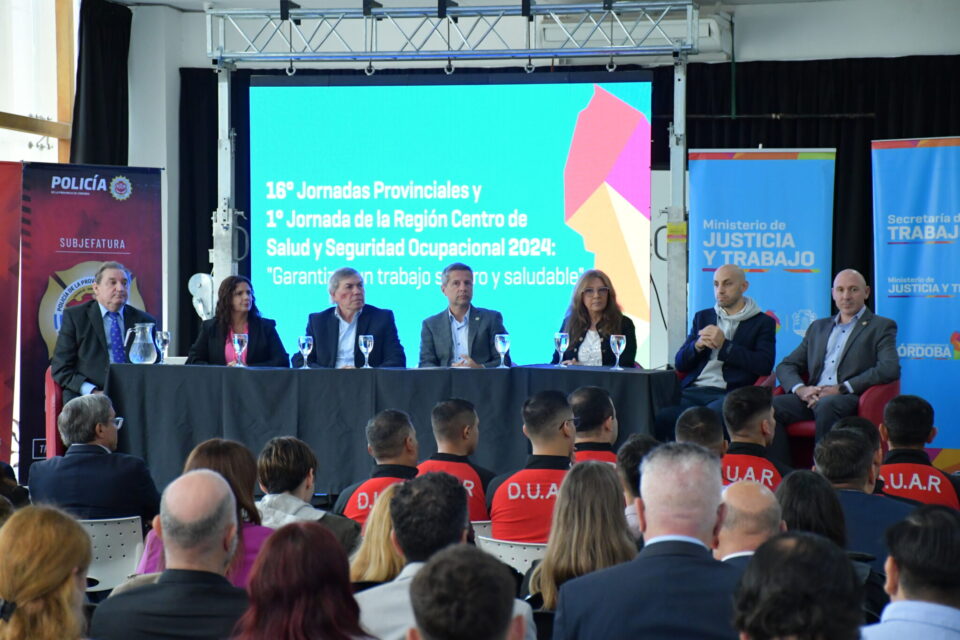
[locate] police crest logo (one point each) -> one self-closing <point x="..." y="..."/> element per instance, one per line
<point x="121" y="188"/>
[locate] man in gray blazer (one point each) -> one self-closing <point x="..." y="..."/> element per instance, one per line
<point x="461" y="335"/>
<point x="841" y="358"/>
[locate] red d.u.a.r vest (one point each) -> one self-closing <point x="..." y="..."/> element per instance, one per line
<point x="907" y="473"/>
<point x="521" y="507"/>
<point x="473" y="478"/>
<point x="356" y="500"/>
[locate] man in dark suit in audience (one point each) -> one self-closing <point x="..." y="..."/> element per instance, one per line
<point x="461" y="335"/>
<point x="336" y="332"/>
<point x="845" y="458"/>
<point x="192" y="599"/>
<point x="92" y="334"/>
<point x="674" y="588"/>
<point x="753" y="517"/>
<point x="92" y="481"/>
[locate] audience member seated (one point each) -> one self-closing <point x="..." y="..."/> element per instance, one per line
<point x="589" y="532"/>
<point x="6" y="510"/>
<point x="521" y="503"/>
<point x="286" y="469"/>
<point x="629" y="456"/>
<point x="753" y="516"/>
<point x="192" y="599"/>
<point x="729" y="346"/>
<point x="674" y="588"/>
<point x="44" y="555"/>
<point x="748" y="412"/>
<point x="237" y="313"/>
<point x="810" y="503"/>
<point x="235" y="463"/>
<point x="845" y="458"/>
<point x="593" y="316"/>
<point x="701" y="425"/>
<point x="872" y="434"/>
<point x="392" y="442"/>
<point x="300" y="588"/>
<point x="595" y="419"/>
<point x="92" y="481"/>
<point x="429" y="514"/>
<point x="463" y="593"/>
<point x="798" y="585"/>
<point x="377" y="560"/>
<point x="923" y="578"/>
<point x="9" y="489"/>
<point x="908" y="426"/>
<point x="456" y="428"/>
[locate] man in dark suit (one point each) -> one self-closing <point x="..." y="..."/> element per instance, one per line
<point x="92" y="481"/>
<point x="680" y="514"/>
<point x="336" y="332"/>
<point x="461" y="335"/>
<point x="729" y="346"/>
<point x="845" y="458"/>
<point x="191" y="599"/>
<point x="92" y="334"/>
<point x="841" y="357"/>
<point x="753" y="516"/>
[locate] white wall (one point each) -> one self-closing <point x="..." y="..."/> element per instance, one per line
<point x="163" y="40"/>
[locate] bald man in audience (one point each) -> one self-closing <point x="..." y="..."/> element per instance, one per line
<point x="192" y="599"/>
<point x="753" y="517"/>
<point x="674" y="588"/>
<point x="730" y="345"/>
<point x="701" y="425"/>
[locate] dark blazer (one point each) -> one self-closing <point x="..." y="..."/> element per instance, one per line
<point x="436" y="339"/>
<point x="325" y="329"/>
<point x="264" y="348"/>
<point x="194" y="605"/>
<point x="627" y="359"/>
<point x="867" y="518"/>
<point x="750" y="354"/>
<point x="91" y="484"/>
<point x="670" y="590"/>
<point x="81" y="353"/>
<point x="869" y="356"/>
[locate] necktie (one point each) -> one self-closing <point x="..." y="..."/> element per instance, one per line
<point x="116" y="339"/>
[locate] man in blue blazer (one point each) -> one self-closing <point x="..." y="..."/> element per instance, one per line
<point x="674" y="588"/>
<point x="729" y="346"/>
<point x="461" y="335"/>
<point x="92" y="481"/>
<point x="336" y="332"/>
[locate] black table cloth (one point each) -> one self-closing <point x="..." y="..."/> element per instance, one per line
<point x="168" y="409"/>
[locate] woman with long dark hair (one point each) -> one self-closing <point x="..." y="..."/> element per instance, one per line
<point x="237" y="313"/>
<point x="300" y="589"/>
<point x="593" y="316"/>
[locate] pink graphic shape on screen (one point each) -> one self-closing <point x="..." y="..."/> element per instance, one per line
<point x="633" y="162"/>
<point x="603" y="132"/>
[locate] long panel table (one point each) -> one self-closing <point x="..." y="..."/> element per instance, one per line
<point x="168" y="409"/>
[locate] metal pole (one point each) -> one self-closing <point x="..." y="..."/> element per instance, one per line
<point x="224" y="218"/>
<point x="677" y="213"/>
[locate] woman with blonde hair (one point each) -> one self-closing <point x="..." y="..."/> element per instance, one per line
<point x="376" y="560"/>
<point x="593" y="316"/>
<point x="589" y="531"/>
<point x="44" y="555"/>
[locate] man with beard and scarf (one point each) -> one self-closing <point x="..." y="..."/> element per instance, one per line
<point x="729" y="346"/>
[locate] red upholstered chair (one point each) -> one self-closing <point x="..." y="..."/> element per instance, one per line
<point x="871" y="405"/>
<point x="53" y="402"/>
<point x="762" y="381"/>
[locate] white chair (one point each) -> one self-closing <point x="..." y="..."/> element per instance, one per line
<point x="117" y="545"/>
<point x="481" y="528"/>
<point x="519" y="555"/>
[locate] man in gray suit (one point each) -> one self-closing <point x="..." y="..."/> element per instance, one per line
<point x="841" y="357"/>
<point x="461" y="335"/>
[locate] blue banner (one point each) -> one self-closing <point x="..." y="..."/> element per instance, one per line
<point x="769" y="212"/>
<point x="916" y="213"/>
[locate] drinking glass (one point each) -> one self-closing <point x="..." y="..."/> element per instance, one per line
<point x="239" y="346"/>
<point x="617" y="343"/>
<point x="306" y="346"/>
<point x="163" y="341"/>
<point x="366" y="346"/>
<point x="502" y="343"/>
<point x="560" y="342"/>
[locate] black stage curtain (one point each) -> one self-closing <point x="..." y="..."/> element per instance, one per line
<point x="100" y="114"/>
<point x="822" y="103"/>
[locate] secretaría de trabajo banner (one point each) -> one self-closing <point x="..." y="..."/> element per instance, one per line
<point x="769" y="212"/>
<point x="916" y="218"/>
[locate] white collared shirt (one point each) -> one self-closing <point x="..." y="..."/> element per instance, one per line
<point x="835" y="344"/>
<point x="673" y="538"/>
<point x="460" y="334"/>
<point x="347" y="339"/>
